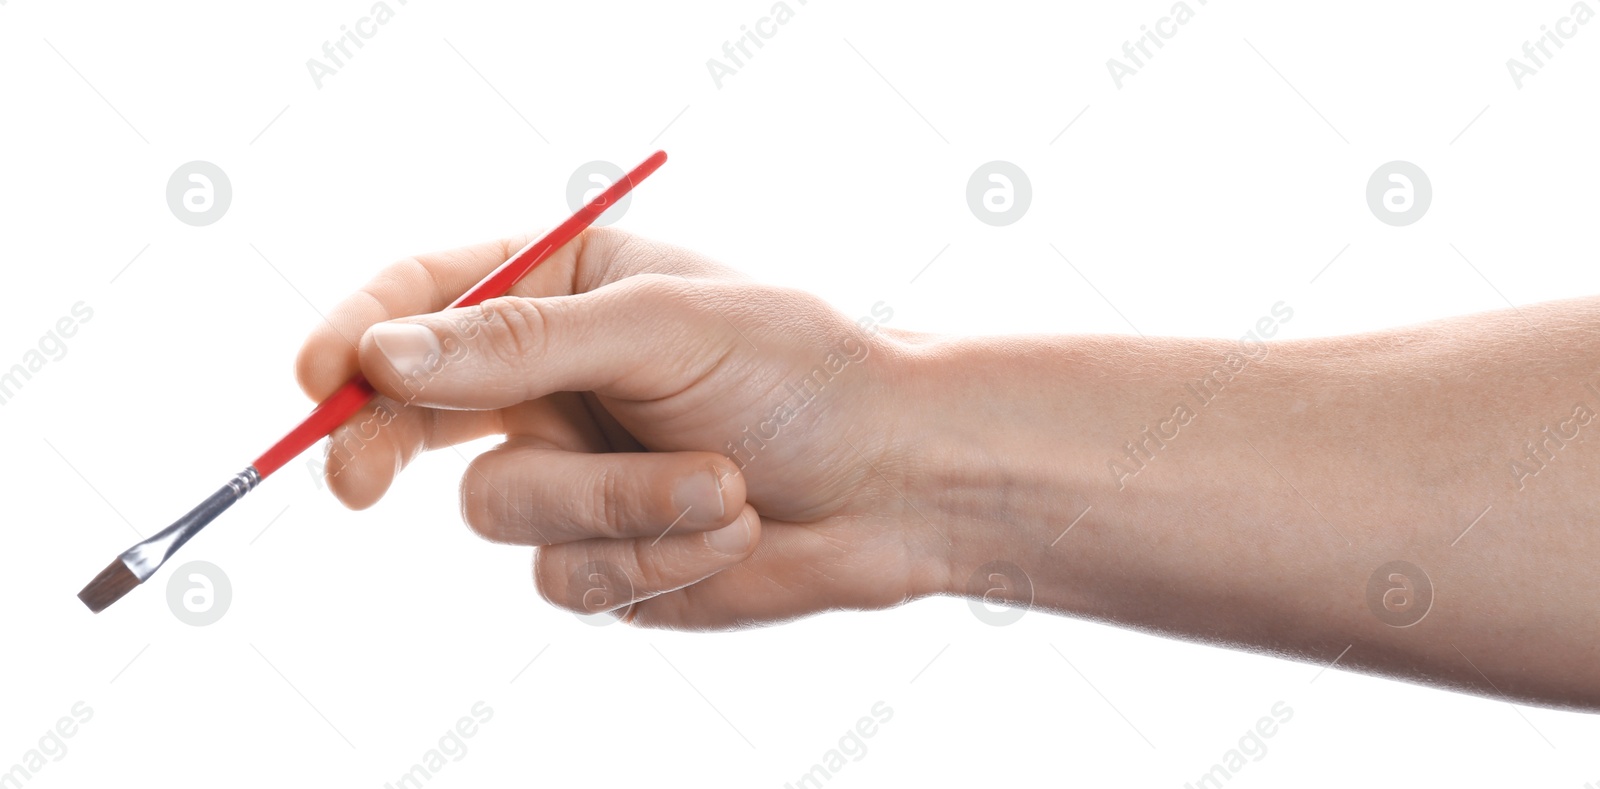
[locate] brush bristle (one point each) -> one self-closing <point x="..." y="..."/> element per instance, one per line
<point x="109" y="586"/>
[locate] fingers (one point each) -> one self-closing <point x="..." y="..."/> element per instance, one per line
<point x="530" y="494"/>
<point x="790" y="571"/>
<point x="644" y="338"/>
<point x="427" y="283"/>
<point x="366" y="454"/>
<point x="798" y="569"/>
<point x="593" y="576"/>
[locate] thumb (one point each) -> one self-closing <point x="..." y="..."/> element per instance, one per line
<point x="640" y="338"/>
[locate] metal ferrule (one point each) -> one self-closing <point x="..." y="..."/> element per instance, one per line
<point x="148" y="556"/>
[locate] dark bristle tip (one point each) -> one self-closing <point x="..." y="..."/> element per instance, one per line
<point x="109" y="586"/>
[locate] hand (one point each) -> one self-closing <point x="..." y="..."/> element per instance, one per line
<point x="685" y="447"/>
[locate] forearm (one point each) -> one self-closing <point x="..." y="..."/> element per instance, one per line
<point x="1248" y="494"/>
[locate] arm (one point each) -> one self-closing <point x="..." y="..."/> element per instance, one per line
<point x="688" y="449"/>
<point x="1276" y="479"/>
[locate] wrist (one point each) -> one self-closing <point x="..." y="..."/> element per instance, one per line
<point x="982" y="436"/>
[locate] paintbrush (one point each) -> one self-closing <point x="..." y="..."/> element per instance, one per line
<point x="135" y="565"/>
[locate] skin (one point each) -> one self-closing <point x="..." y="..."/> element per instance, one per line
<point x="621" y="369"/>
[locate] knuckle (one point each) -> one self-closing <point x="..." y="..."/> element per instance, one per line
<point x="658" y="288"/>
<point x="604" y="508"/>
<point x="648" y="574"/>
<point x="517" y="329"/>
<point x="704" y="304"/>
<point x="412" y="275"/>
<point x="783" y="300"/>
<point x="606" y="236"/>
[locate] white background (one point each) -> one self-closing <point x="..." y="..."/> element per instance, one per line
<point x="1221" y="178"/>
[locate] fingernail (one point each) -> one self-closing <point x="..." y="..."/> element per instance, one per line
<point x="410" y="348"/>
<point x="701" y="495"/>
<point x="732" y="539"/>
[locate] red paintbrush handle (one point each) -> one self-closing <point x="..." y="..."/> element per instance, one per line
<point x="356" y="392"/>
<point x="329" y="414"/>
<point x="499" y="281"/>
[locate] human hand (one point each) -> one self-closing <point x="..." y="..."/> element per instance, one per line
<point x="719" y="444"/>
